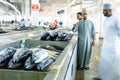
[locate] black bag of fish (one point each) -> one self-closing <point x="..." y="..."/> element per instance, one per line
<point x="6" y="54"/>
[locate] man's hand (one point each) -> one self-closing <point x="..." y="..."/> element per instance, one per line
<point x="93" y="43"/>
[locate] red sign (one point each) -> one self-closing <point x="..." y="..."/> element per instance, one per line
<point x="35" y="7"/>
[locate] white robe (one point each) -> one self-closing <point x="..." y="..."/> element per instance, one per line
<point x="109" y="68"/>
<point x="86" y="33"/>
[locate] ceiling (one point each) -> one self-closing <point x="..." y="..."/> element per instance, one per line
<point x="51" y="6"/>
<point x="47" y="6"/>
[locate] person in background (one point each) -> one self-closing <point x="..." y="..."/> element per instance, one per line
<point x="39" y="23"/>
<point x="12" y="22"/>
<point x="109" y="66"/>
<point x="54" y="25"/>
<point x="3" y="21"/>
<point x="79" y="17"/>
<point x="22" y="24"/>
<point x="86" y="39"/>
<point x="60" y="23"/>
<point x="0" y="23"/>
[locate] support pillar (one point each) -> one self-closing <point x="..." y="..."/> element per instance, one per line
<point x="27" y="9"/>
<point x="67" y="17"/>
<point x="23" y="8"/>
<point x="100" y="24"/>
<point x="35" y="6"/>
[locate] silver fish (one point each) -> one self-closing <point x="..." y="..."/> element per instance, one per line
<point x="39" y="56"/>
<point x="6" y="54"/>
<point x="29" y="64"/>
<point x="21" y="55"/>
<point x="13" y="64"/>
<point x="43" y="65"/>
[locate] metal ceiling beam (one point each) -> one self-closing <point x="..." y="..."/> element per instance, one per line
<point x="8" y="8"/>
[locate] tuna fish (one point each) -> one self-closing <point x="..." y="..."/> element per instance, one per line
<point x="58" y="39"/>
<point x="21" y="55"/>
<point x="6" y="54"/>
<point x="43" y="65"/>
<point x="66" y="38"/>
<point x="51" y="54"/>
<point x="48" y="38"/>
<point x="53" y="48"/>
<point x="63" y="36"/>
<point x="29" y="64"/>
<point x="44" y="36"/>
<point x="57" y="47"/>
<point x="13" y="65"/>
<point x="38" y="56"/>
<point x="53" y="36"/>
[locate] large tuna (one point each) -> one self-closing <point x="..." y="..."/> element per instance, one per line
<point x="6" y="54"/>
<point x="13" y="65"/>
<point x="53" y="35"/>
<point x="29" y="64"/>
<point x="44" y="36"/>
<point x="44" y="64"/>
<point x="53" y="48"/>
<point x="21" y="55"/>
<point x="38" y="56"/>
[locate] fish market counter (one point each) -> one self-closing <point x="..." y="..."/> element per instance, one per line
<point x="62" y="54"/>
<point x="65" y="66"/>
